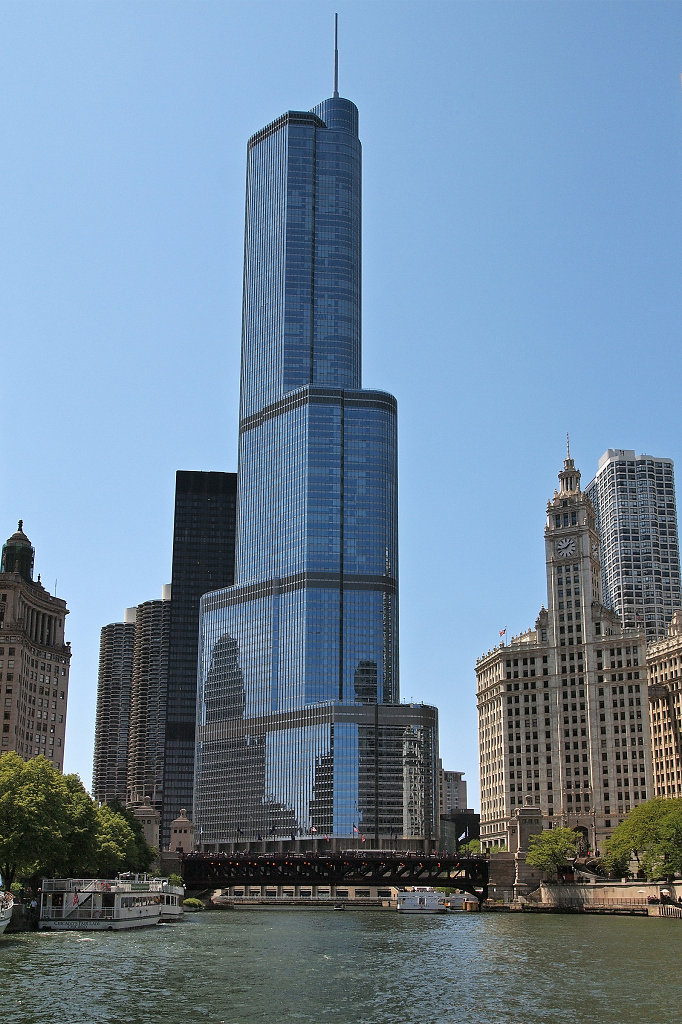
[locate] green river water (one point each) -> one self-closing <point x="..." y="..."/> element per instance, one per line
<point x="281" y="966"/>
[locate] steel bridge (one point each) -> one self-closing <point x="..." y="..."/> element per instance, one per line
<point x="346" y="867"/>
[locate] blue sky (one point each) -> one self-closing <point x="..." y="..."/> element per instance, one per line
<point x="521" y="279"/>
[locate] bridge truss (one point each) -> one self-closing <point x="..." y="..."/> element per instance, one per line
<point x="349" y="867"/>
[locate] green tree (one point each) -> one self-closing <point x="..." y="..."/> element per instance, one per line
<point x="79" y="832"/>
<point x="552" y="849"/>
<point x="144" y="854"/>
<point x="34" y="823"/>
<point x="651" y="835"/>
<point x="473" y="846"/>
<point x="49" y="825"/>
<point x="115" y="847"/>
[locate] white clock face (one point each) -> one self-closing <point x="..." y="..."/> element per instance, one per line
<point x="566" y="547"/>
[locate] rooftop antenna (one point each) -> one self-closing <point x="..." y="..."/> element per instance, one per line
<point x="336" y="56"/>
<point x="568" y="447"/>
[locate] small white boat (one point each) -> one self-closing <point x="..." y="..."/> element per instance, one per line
<point x="457" y="900"/>
<point x="422" y="899"/>
<point x="97" y="904"/>
<point x="6" y="904"/>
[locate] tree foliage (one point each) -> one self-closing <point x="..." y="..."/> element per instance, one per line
<point x="115" y="843"/>
<point x="651" y="835"/>
<point x="142" y="855"/>
<point x="552" y="849"/>
<point x="33" y="806"/>
<point x="50" y="826"/>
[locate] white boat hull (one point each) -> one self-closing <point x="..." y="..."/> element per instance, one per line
<point x="421" y="901"/>
<point x="6" y="904"/>
<point x="91" y="925"/>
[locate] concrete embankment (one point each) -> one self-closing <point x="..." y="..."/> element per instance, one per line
<point x="630" y="899"/>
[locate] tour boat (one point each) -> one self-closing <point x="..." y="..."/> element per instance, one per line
<point x="96" y="904"/>
<point x="6" y="904"/>
<point x="422" y="899"/>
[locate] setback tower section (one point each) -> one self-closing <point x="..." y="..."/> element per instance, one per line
<point x="298" y="725"/>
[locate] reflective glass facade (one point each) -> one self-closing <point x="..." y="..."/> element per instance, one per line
<point x="296" y="657"/>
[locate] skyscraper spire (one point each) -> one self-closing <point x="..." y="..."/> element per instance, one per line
<point x="300" y="656"/>
<point x="336" y="56"/>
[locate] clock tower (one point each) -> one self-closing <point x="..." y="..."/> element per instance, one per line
<point x="572" y="559"/>
<point x="563" y="708"/>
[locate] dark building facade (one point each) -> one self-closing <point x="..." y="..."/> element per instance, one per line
<point x="203" y="560"/>
<point x="299" y="730"/>
<point x="147" y="686"/>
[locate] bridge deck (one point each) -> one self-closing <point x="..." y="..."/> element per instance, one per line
<point x="386" y="867"/>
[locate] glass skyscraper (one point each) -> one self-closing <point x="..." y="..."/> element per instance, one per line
<point x="299" y="729"/>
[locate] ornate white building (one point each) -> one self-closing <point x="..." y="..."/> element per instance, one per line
<point x="563" y="709"/>
<point x="664" y="664"/>
<point x="34" y="658"/>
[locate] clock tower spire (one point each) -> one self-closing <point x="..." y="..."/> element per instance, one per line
<point x="563" y="707"/>
<point x="572" y="557"/>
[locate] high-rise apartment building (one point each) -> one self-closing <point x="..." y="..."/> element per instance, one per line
<point x="299" y="730"/>
<point x="664" y="665"/>
<point x="34" y="658"/>
<point x="634" y="501"/>
<point x="453" y="790"/>
<point x="563" y="709"/>
<point x="112" y="722"/>
<point x="149" y="687"/>
<point x="203" y="560"/>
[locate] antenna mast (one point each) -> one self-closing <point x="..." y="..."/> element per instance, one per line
<point x="336" y="56"/>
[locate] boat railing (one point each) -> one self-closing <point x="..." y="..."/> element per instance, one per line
<point x="83" y="885"/>
<point x="76" y="884"/>
<point x="82" y="914"/>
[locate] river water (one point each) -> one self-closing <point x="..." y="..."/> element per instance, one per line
<point x="373" y="967"/>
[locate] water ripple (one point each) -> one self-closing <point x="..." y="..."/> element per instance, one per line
<point x="307" y="967"/>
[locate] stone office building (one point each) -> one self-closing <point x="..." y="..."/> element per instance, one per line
<point x="563" y="709"/>
<point x="34" y="658"/>
<point x="664" y="665"/>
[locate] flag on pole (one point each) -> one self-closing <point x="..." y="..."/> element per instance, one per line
<point x="356" y="829"/>
<point x="503" y="632"/>
<point x="313" y="829"/>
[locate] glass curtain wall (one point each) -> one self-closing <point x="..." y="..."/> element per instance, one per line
<point x="296" y="655"/>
